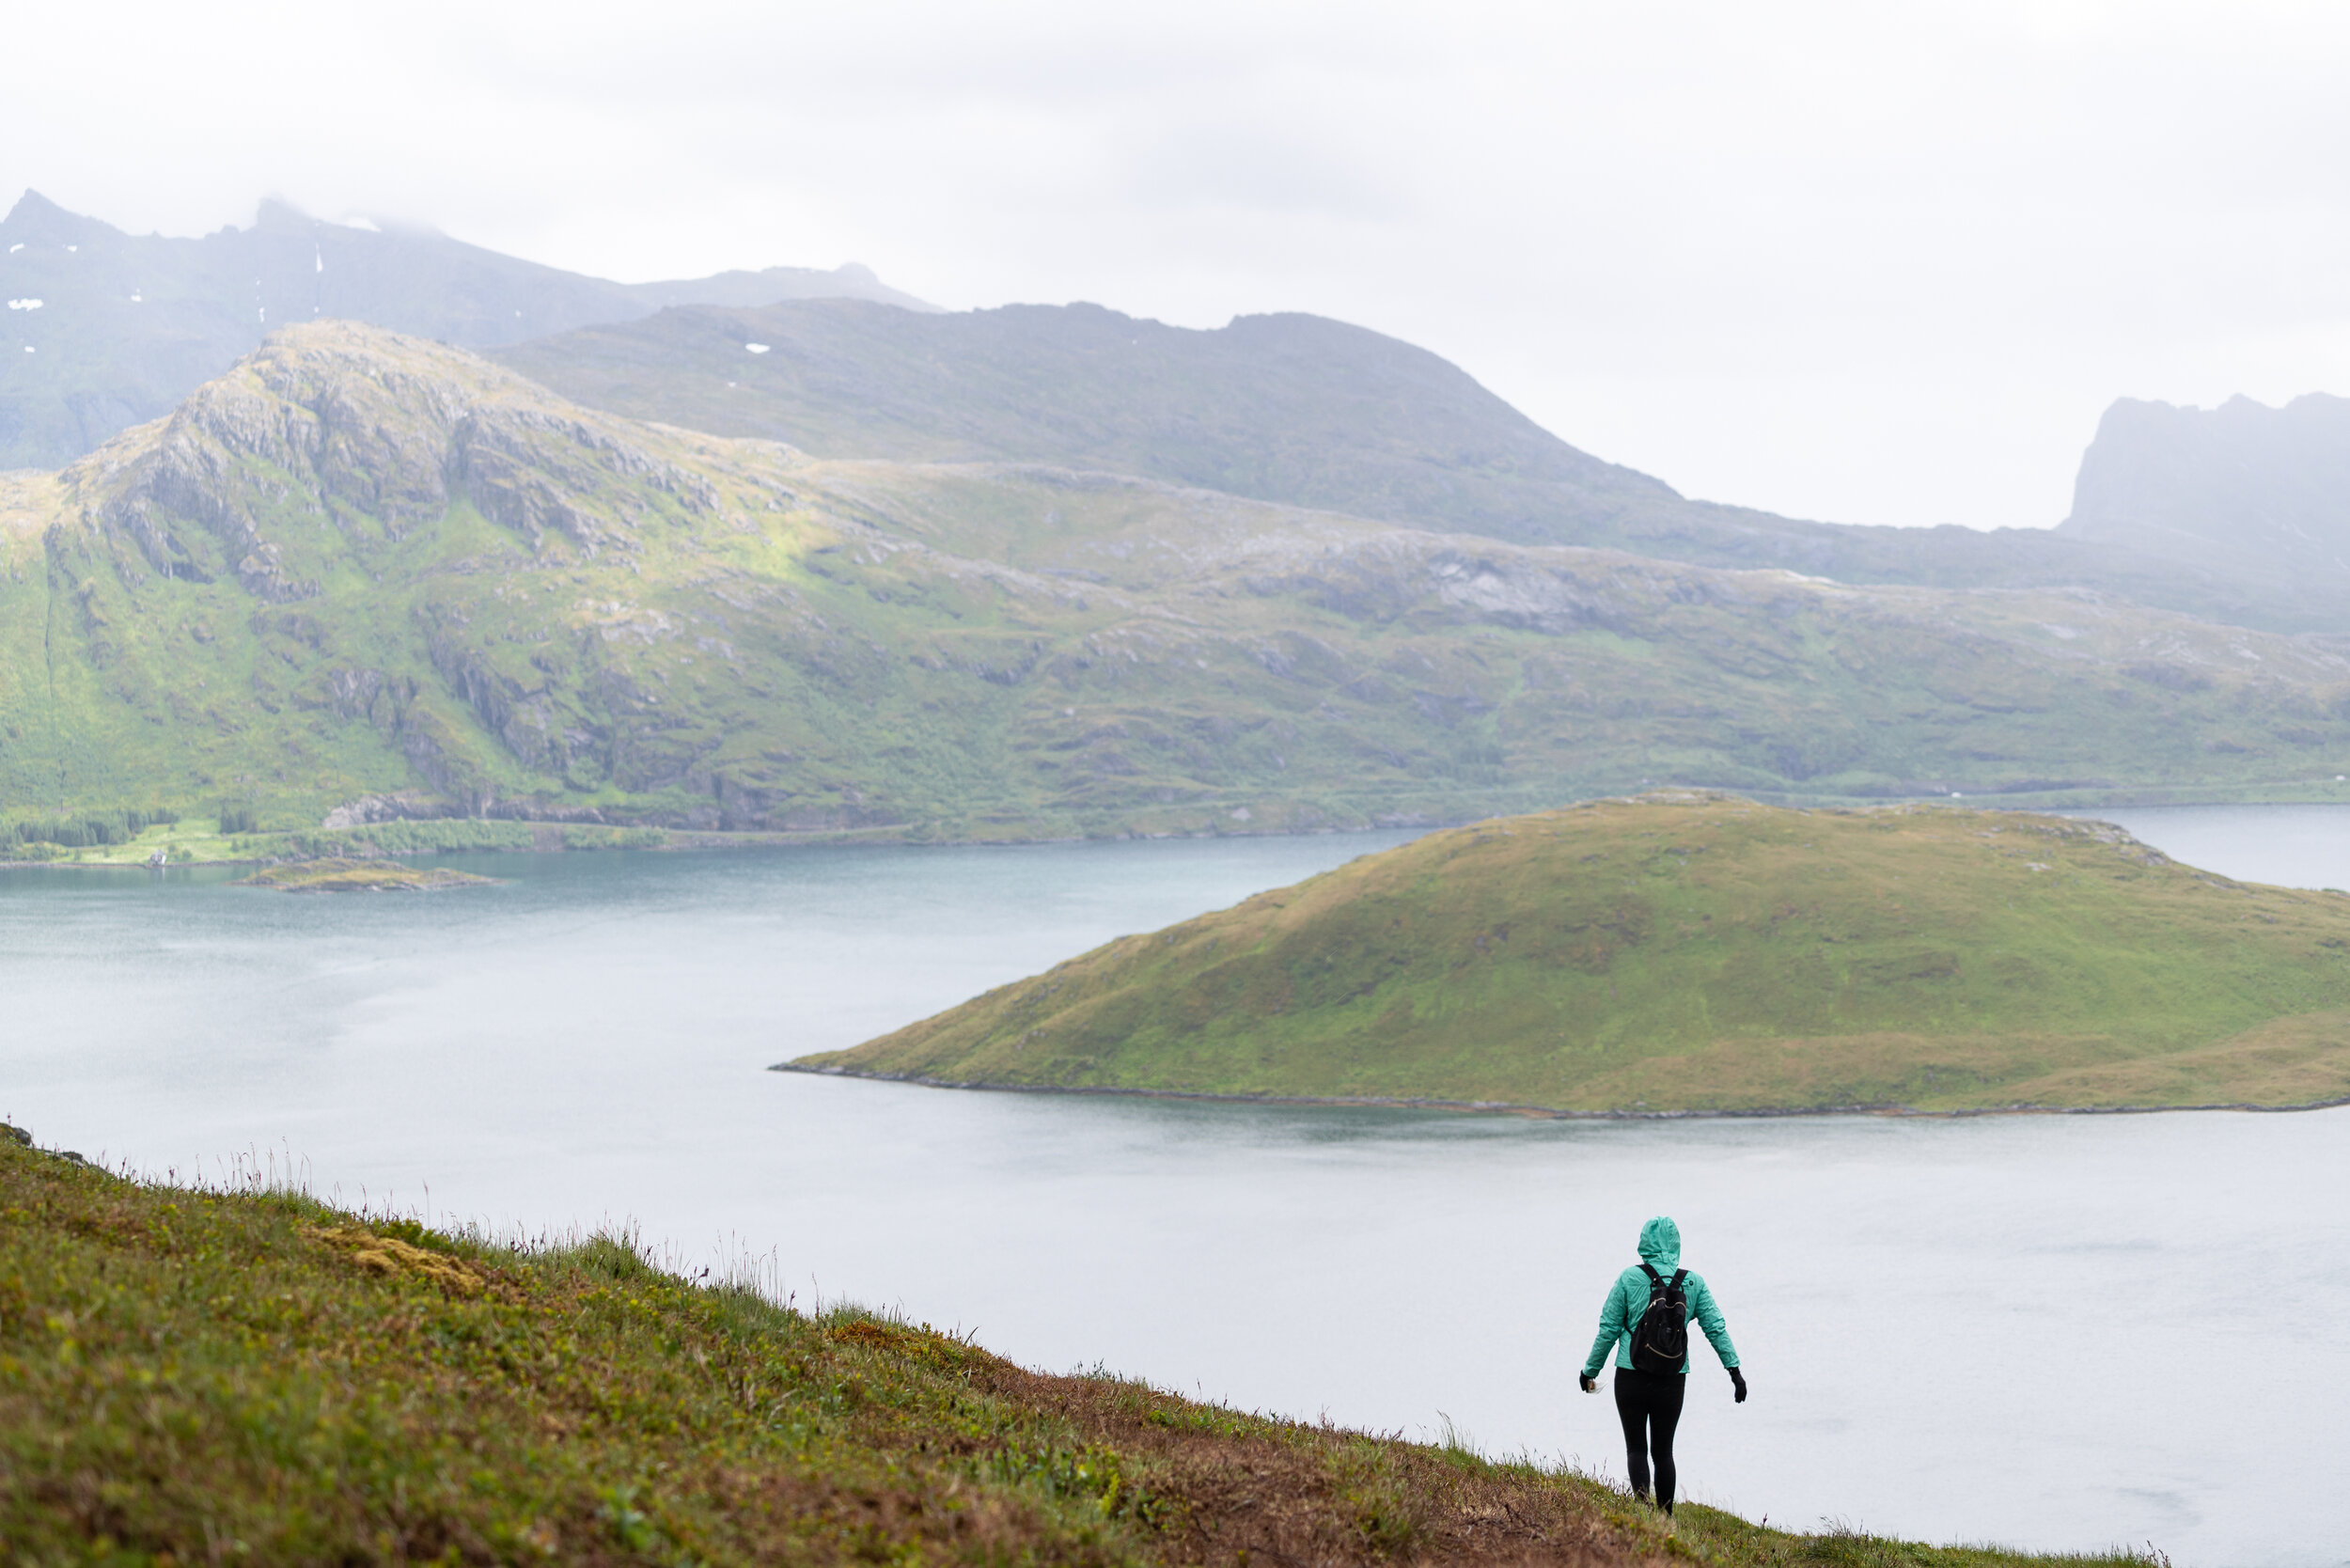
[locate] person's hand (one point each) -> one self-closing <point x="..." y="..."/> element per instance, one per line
<point x="1738" y="1381"/>
<point x="1590" y="1384"/>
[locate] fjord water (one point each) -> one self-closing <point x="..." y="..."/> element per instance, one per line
<point x="2059" y="1332"/>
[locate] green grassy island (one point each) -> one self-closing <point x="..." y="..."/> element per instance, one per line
<point x="212" y="1376"/>
<point x="1687" y="952"/>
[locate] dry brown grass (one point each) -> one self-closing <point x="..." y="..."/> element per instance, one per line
<point x="1237" y="1491"/>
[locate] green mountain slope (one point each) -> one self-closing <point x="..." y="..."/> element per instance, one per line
<point x="122" y="326"/>
<point x="362" y="565"/>
<point x="1288" y="408"/>
<point x="1700" y="952"/>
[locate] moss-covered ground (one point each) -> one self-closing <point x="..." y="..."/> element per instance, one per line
<point x="193" y="1376"/>
<point x="1702" y="952"/>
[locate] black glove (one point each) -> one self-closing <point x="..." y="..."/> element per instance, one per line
<point x="1590" y="1384"/>
<point x="1738" y="1381"/>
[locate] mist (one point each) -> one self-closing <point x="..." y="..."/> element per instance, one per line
<point x="1830" y="260"/>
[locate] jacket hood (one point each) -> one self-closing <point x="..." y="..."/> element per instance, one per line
<point x="1660" y="1245"/>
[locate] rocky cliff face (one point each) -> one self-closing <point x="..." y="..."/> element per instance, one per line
<point x="372" y="436"/>
<point x="363" y="567"/>
<point x="2242" y="489"/>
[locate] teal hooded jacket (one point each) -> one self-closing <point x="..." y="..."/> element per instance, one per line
<point x="1660" y="1249"/>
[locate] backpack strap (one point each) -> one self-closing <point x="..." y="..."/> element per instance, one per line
<point x="1679" y="1275"/>
<point x="1655" y="1280"/>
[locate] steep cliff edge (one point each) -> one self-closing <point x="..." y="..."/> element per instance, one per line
<point x="2240" y="492"/>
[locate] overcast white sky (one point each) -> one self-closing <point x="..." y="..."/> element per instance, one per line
<point x="1862" y="262"/>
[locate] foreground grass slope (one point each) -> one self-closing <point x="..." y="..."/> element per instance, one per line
<point x="369" y="575"/>
<point x="193" y="1376"/>
<point x="1687" y="952"/>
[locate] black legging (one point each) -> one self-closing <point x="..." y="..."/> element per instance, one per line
<point x="1650" y="1406"/>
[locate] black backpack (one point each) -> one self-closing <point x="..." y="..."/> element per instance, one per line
<point x="1660" y="1340"/>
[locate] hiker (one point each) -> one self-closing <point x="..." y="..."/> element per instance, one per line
<point x="1645" y="1320"/>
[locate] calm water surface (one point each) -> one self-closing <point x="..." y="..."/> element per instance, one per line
<point x="2059" y="1332"/>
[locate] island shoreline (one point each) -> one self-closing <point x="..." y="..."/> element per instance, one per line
<point x="1551" y="1113"/>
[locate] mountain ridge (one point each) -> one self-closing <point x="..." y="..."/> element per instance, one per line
<point x="1287" y="408"/>
<point x="1004" y="415"/>
<point x="1299" y="410"/>
<point x="363" y="565"/>
<point x="126" y="325"/>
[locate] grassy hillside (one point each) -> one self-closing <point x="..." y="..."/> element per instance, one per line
<point x="375" y="577"/>
<point x="1288" y="408"/>
<point x="192" y="1376"/>
<point x="129" y="324"/>
<point x="1694" y="953"/>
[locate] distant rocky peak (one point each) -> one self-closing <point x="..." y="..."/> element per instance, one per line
<point x="375" y="430"/>
<point x="2242" y="478"/>
<point x="35" y="219"/>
